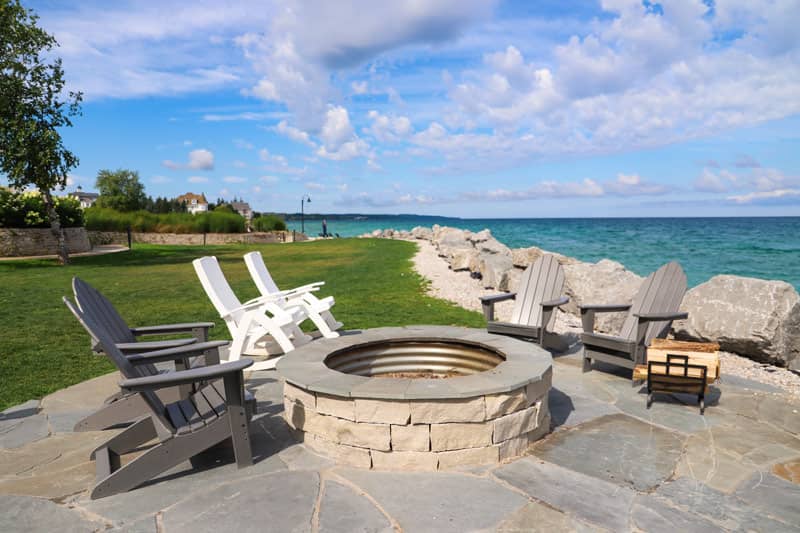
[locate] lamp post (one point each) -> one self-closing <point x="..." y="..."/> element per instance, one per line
<point x="305" y="198"/>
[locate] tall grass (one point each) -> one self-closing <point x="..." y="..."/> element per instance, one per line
<point x="268" y="223"/>
<point x="104" y="219"/>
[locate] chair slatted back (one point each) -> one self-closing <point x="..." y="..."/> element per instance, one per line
<point x="97" y="307"/>
<point x="129" y="371"/>
<point x="661" y="292"/>
<point x="541" y="282"/>
<point x="261" y="276"/>
<point x="218" y="290"/>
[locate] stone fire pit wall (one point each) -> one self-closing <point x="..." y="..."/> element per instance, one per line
<point x="419" y="424"/>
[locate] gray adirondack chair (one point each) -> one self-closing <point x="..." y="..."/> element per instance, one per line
<point x="102" y="311"/>
<point x="124" y="407"/>
<point x="213" y="414"/>
<point x="539" y="293"/>
<point x="650" y="316"/>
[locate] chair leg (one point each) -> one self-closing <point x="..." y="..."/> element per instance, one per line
<point x="331" y="321"/>
<point x="237" y="416"/>
<point x="322" y="325"/>
<point x="158" y="459"/>
<point x="141" y="431"/>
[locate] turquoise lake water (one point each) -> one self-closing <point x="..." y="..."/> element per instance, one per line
<point x="764" y="247"/>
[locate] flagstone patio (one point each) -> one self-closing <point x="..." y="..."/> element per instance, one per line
<point x="609" y="464"/>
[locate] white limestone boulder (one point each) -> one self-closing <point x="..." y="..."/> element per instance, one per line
<point x="422" y="233"/>
<point x="604" y="282"/>
<point x="748" y="316"/>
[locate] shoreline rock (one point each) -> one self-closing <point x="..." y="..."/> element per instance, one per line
<point x="755" y="318"/>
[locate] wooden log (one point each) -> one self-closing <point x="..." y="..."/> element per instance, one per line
<point x="672" y="344"/>
<point x="699" y="353"/>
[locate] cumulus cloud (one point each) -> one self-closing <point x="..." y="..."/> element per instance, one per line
<point x="314" y="186"/>
<point x="295" y="134"/>
<point x="200" y="159"/>
<point x="339" y="139"/>
<point x="386" y="128"/>
<point x="269" y="179"/>
<point x="197" y="179"/>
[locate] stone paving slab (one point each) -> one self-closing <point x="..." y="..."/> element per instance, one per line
<point x="588" y="498"/>
<point x="569" y="410"/>
<point x="774" y="496"/>
<point x="438" y="502"/>
<point x="655" y="516"/>
<point x="616" y="448"/>
<point x="283" y="501"/>
<point x="727" y="511"/>
<point x="342" y="509"/>
<point x="18" y="432"/>
<point x="22" y="513"/>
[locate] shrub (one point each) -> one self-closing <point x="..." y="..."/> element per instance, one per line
<point x="268" y="223"/>
<point x="104" y="219"/>
<point x="26" y="210"/>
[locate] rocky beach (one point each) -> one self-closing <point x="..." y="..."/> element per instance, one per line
<point x="756" y="322"/>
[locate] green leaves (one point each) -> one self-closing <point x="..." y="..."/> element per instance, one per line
<point x="121" y="190"/>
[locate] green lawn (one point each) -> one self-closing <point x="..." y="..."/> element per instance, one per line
<point x="43" y="348"/>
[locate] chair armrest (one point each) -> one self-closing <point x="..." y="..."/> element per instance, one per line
<point x="254" y="303"/>
<point x="655" y="317"/>
<point x="169" y="329"/>
<point x="557" y="302"/>
<point x="177" y="353"/>
<point x="604" y="308"/>
<point x="498" y="297"/>
<point x="149" y="346"/>
<point x="588" y="311"/>
<point x="182" y="377"/>
<point x="487" y="302"/>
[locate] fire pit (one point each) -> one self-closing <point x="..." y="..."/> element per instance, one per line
<point x="418" y="398"/>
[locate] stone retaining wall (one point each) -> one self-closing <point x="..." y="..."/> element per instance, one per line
<point x="115" y="237"/>
<point x="17" y="242"/>
<point x="420" y="434"/>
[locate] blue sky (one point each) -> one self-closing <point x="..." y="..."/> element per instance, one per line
<point x="468" y="108"/>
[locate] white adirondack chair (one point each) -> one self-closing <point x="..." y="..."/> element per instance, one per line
<point x="251" y="323"/>
<point x="317" y="309"/>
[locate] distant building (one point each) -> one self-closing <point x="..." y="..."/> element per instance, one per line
<point x="86" y="199"/>
<point x="243" y="208"/>
<point x="195" y="203"/>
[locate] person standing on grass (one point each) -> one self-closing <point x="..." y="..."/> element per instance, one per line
<point x="324" y="228"/>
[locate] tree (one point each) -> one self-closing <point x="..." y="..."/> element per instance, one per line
<point x="120" y="190"/>
<point x="33" y="107"/>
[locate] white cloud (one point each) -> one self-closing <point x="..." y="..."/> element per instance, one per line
<point x="389" y="128"/>
<point x="234" y="179"/>
<point x="308" y="39"/>
<point x="197" y="179"/>
<point x="295" y="134"/>
<point x="314" y="186"/>
<point x="340" y="141"/>
<point x="754" y="197"/>
<point x="201" y="159"/>
<point x="359" y="87"/>
<point x="343" y="187"/>
<point x="239" y="164"/>
<point x="269" y="179"/>
<point x="710" y="181"/>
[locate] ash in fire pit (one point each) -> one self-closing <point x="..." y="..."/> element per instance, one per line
<point x="490" y="407"/>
